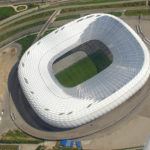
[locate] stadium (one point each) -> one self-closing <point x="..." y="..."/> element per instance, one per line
<point x="83" y="70"/>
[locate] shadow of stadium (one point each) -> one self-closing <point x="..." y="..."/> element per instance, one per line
<point x="22" y="105"/>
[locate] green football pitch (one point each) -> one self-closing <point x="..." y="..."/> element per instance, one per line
<point x="83" y="69"/>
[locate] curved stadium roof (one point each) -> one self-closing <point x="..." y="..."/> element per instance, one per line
<point x="70" y="107"/>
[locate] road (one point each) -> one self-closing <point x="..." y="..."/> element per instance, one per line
<point x="50" y="20"/>
<point x="6" y="2"/>
<point x="57" y="23"/>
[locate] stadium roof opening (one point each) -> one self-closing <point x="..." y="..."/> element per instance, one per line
<point x="82" y="63"/>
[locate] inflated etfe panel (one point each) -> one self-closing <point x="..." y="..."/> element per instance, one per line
<point x="65" y="107"/>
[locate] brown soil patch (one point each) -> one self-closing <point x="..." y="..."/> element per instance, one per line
<point x="8" y="58"/>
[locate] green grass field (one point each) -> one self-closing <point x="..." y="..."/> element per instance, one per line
<point x="90" y="7"/>
<point x="18" y="136"/>
<point x="33" y="17"/>
<point x="83" y="2"/>
<point x="137" y="12"/>
<point x="15" y="31"/>
<point x="83" y="69"/>
<point x="73" y="16"/>
<point x="26" y="42"/>
<point x="6" y="12"/>
<point x="116" y="13"/>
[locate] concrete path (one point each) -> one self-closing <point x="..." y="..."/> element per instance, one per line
<point x="50" y="20"/>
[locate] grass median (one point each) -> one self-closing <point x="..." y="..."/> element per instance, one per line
<point x="9" y="147"/>
<point x="65" y="17"/>
<point x="18" y="136"/>
<point x="84" y="2"/>
<point x="116" y="13"/>
<point x="20" y="29"/>
<point x="90" y="7"/>
<point x="30" y="18"/>
<point x="138" y="12"/>
<point x="28" y="40"/>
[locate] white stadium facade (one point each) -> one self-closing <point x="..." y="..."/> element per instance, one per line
<point x="68" y="107"/>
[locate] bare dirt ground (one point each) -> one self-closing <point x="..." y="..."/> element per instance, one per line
<point x="8" y="57"/>
<point x="28" y="146"/>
